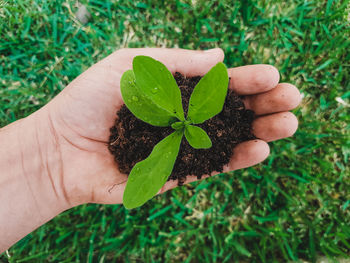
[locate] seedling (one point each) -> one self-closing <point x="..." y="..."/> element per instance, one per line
<point x="150" y="92"/>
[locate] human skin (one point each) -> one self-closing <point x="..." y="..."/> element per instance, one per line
<point x="57" y="157"/>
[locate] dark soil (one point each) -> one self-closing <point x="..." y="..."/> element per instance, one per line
<point x="132" y="140"/>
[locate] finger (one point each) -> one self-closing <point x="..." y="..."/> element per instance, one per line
<point x="253" y="79"/>
<point x="245" y="154"/>
<point x="275" y="126"/>
<point x="284" y="97"/>
<point x="187" y="62"/>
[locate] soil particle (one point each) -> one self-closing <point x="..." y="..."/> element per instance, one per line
<point x="132" y="140"/>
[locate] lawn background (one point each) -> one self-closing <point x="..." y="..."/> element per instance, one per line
<point x="293" y="206"/>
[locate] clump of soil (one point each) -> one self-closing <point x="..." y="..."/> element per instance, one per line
<point x="132" y="140"/>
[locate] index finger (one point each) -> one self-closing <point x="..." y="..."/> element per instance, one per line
<point x="187" y="62"/>
<point x="253" y="79"/>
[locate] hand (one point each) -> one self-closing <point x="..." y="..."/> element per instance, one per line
<point x="82" y="114"/>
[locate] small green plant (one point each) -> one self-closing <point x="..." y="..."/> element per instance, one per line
<point x="150" y="92"/>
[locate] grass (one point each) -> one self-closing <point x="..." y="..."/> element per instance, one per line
<point x="294" y="206"/>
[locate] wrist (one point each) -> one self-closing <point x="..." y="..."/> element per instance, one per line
<point x="42" y="158"/>
<point x="30" y="178"/>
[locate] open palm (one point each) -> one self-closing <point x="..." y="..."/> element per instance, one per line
<point x="82" y="114"/>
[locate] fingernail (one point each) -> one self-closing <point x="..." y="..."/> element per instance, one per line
<point x="213" y="50"/>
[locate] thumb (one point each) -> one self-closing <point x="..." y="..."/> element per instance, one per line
<point x="187" y="62"/>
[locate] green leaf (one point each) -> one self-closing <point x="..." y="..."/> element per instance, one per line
<point x="140" y="105"/>
<point x="157" y="82"/>
<point x="148" y="176"/>
<point x="197" y="137"/>
<point x="179" y="125"/>
<point x="208" y="97"/>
